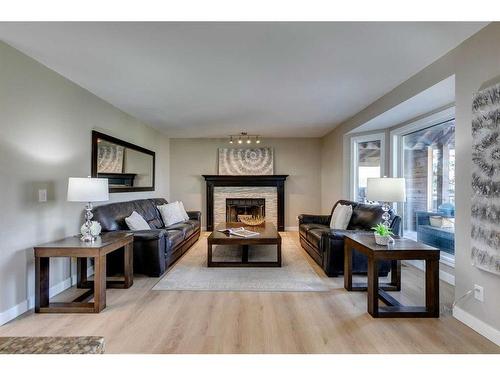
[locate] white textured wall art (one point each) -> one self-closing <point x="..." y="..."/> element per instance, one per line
<point x="485" y="230"/>
<point x="246" y="161"/>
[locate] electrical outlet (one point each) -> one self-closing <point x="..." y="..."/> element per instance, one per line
<point x="479" y="292"/>
<point x="42" y="195"/>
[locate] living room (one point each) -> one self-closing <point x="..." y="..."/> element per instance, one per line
<point x="132" y="152"/>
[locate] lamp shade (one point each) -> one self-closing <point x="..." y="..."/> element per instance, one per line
<point x="81" y="189"/>
<point x="386" y="189"/>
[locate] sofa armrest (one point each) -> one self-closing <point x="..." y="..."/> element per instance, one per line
<point x="149" y="251"/>
<point x="314" y="219"/>
<point x="194" y="215"/>
<point x="339" y="234"/>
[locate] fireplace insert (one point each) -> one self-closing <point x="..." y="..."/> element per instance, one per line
<point x="236" y="207"/>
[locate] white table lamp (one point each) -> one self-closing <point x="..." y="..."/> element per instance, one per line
<point x="81" y="189"/>
<point x="386" y="190"/>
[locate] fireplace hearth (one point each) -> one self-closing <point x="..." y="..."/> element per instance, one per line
<point x="237" y="207"/>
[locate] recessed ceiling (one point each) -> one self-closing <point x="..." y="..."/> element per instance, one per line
<point x="213" y="79"/>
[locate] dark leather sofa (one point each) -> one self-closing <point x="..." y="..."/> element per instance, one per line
<point x="326" y="246"/>
<point x="155" y="249"/>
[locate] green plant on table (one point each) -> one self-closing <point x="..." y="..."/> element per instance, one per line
<point x="382" y="230"/>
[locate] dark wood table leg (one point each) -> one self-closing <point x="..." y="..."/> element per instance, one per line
<point x="42" y="269"/>
<point x="128" y="268"/>
<point x="99" y="283"/>
<point x="347" y="266"/>
<point x="396" y="274"/>
<point x="372" y="287"/>
<point x="432" y="287"/>
<point x="244" y="254"/>
<point x="209" y="255"/>
<point x="81" y="273"/>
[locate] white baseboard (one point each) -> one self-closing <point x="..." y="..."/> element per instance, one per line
<point x="29" y="303"/>
<point x="13" y="312"/>
<point x="477" y="325"/>
<point x="443" y="276"/>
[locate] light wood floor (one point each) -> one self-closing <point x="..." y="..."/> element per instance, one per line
<point x="139" y="320"/>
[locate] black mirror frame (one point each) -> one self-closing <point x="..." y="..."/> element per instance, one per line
<point x="97" y="135"/>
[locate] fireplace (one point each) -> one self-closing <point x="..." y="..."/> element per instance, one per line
<point x="271" y="188"/>
<point x="237" y="207"/>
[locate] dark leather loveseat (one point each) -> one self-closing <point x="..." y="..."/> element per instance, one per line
<point x="326" y="246"/>
<point x="155" y="249"/>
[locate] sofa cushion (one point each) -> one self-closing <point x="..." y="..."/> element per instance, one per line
<point x="173" y="238"/>
<point x="304" y="228"/>
<point x="314" y="237"/>
<point x="364" y="216"/>
<point x="186" y="228"/>
<point x="136" y="222"/>
<point x="171" y="213"/>
<point x="196" y="224"/>
<point x="112" y="216"/>
<point x="341" y="216"/>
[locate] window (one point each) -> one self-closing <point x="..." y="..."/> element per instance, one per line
<point x="367" y="161"/>
<point x="426" y="159"/>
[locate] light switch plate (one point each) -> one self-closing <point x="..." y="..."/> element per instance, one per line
<point x="42" y="195"/>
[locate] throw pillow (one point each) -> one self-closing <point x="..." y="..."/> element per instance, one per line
<point x="341" y="217"/>
<point x="183" y="211"/>
<point x="171" y="213"/>
<point x="136" y="222"/>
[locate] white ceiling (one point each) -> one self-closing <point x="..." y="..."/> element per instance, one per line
<point x="214" y="79"/>
<point x="435" y="97"/>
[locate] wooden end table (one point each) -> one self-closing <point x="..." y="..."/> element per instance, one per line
<point x="402" y="249"/>
<point x="268" y="235"/>
<point x="73" y="247"/>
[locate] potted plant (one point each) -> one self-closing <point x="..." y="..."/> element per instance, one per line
<point x="382" y="234"/>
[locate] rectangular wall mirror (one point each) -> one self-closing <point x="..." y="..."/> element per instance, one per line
<point x="128" y="167"/>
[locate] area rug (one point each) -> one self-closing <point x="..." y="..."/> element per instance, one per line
<point x="191" y="272"/>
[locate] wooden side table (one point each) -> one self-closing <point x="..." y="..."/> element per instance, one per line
<point x="402" y="249"/>
<point x="73" y="247"/>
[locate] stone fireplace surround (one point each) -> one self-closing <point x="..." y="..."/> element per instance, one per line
<point x="269" y="187"/>
<point x="268" y="193"/>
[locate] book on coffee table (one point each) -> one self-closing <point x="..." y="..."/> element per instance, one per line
<point x="241" y="232"/>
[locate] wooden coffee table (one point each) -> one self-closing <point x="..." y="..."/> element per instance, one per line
<point x="268" y="235"/>
<point x="73" y="247"/>
<point x="402" y="249"/>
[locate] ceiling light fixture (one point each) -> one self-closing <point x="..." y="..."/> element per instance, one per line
<point x="244" y="136"/>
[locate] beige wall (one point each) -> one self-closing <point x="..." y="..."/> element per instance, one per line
<point x="298" y="157"/>
<point x="45" y="137"/>
<point x="473" y="62"/>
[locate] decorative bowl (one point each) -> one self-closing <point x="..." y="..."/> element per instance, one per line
<point x="254" y="221"/>
<point x="95" y="228"/>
